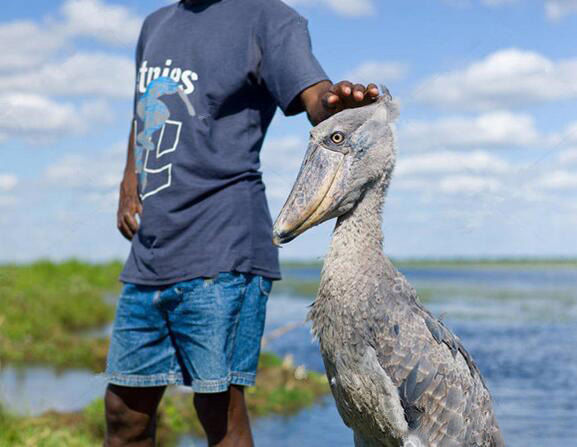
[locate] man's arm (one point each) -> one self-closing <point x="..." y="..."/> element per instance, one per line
<point x="324" y="99"/>
<point x="129" y="202"/>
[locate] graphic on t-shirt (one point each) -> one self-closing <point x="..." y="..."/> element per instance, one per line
<point x="158" y="175"/>
<point x="154" y="114"/>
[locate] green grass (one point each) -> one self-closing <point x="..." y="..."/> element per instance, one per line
<point x="45" y="306"/>
<point x="302" y="288"/>
<point x="505" y="262"/>
<point x="489" y="263"/>
<point x="45" y="310"/>
<point x="279" y="390"/>
<point x="38" y="432"/>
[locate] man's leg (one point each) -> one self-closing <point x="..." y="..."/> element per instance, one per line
<point x="131" y="415"/>
<point x="224" y="417"/>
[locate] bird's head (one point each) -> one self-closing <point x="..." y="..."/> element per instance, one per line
<point x="348" y="153"/>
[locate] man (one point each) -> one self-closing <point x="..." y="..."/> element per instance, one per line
<point x="210" y="74"/>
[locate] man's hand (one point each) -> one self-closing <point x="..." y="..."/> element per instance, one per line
<point x="324" y="99"/>
<point x="345" y="95"/>
<point x="128" y="206"/>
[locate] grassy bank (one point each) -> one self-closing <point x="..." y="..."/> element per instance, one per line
<point x="511" y="262"/>
<point x="527" y="263"/>
<point x="46" y="312"/>
<point x="281" y="389"/>
<point x="302" y="288"/>
<point x="45" y="307"/>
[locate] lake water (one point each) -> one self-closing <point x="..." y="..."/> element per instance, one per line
<point x="519" y="324"/>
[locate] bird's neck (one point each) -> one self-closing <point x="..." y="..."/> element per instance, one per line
<point x="356" y="250"/>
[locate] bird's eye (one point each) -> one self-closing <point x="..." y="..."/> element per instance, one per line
<point x="338" y="138"/>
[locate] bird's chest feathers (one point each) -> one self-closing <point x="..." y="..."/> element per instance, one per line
<point x="365" y="395"/>
<point x="358" y="382"/>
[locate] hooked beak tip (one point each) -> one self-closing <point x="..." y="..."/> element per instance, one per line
<point x="277" y="240"/>
<point x="280" y="237"/>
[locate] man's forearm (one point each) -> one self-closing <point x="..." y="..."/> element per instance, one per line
<point x="128" y="201"/>
<point x="130" y="168"/>
<point x="313" y="101"/>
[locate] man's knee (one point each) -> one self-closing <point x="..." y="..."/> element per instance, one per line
<point x="223" y="414"/>
<point x="128" y="419"/>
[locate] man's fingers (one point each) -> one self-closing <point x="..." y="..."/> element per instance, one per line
<point x="373" y="91"/>
<point x="331" y="101"/>
<point x="345" y="95"/>
<point x="131" y="222"/>
<point x="343" y="89"/>
<point x="124" y="229"/>
<point x="359" y="92"/>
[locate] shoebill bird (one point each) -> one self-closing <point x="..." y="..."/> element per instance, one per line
<point x="398" y="375"/>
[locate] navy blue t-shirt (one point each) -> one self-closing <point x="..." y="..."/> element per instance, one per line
<point x="209" y="79"/>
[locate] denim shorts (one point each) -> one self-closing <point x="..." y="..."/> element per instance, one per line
<point x="202" y="333"/>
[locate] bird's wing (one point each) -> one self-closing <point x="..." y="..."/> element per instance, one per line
<point x="444" y="398"/>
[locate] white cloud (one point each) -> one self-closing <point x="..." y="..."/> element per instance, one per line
<point x="412" y="184"/>
<point x="498" y="2"/>
<point x="569" y="136"/>
<point x="559" y="180"/>
<point x="468" y="184"/>
<point x="378" y="72"/>
<point x="98" y="171"/>
<point x="81" y="74"/>
<point x="34" y="116"/>
<point x="7" y="182"/>
<point x="280" y="160"/>
<point x="351" y="8"/>
<point x="495" y="129"/>
<point x="558" y="9"/>
<point x="7" y="200"/>
<point x="568" y="156"/>
<point x="39" y="64"/>
<point x="506" y="78"/>
<point x="489" y="3"/>
<point x="451" y="185"/>
<point x="113" y="24"/>
<point x="447" y="162"/>
<point x="27" y="44"/>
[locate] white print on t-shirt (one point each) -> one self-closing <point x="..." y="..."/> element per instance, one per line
<point x="160" y="152"/>
<point x="147" y="74"/>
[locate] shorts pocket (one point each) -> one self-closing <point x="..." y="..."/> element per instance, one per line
<point x="265" y="285"/>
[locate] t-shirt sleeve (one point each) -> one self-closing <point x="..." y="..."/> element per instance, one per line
<point x="288" y="65"/>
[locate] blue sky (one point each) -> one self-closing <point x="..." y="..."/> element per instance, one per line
<point x="487" y="138"/>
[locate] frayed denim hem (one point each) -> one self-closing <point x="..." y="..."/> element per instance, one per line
<point x="197" y="386"/>
<point x="243" y="378"/>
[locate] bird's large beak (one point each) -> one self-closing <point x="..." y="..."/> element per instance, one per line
<point x="313" y="195"/>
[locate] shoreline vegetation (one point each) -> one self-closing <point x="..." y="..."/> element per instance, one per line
<point x="53" y="314"/>
<point x="497" y="262"/>
<point x="50" y="312"/>
<point x="307" y="287"/>
<point x="281" y="389"/>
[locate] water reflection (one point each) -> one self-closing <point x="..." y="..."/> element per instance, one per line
<point x="33" y="390"/>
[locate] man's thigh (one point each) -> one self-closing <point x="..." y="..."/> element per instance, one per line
<point x="141" y="353"/>
<point x="217" y="330"/>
